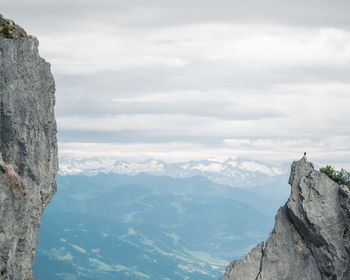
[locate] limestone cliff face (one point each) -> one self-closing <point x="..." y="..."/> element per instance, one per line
<point x="28" y="148"/>
<point x="311" y="237"/>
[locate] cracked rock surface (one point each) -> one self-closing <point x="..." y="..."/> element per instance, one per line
<point x="311" y="236"/>
<point x="28" y="149"/>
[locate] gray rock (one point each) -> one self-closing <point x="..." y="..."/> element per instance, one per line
<point x="246" y="268"/>
<point x="28" y="151"/>
<point x="311" y="236"/>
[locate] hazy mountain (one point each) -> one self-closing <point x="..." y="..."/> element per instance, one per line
<point x="112" y="226"/>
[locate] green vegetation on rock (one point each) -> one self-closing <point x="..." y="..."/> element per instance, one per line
<point x="9" y="30"/>
<point x="341" y="177"/>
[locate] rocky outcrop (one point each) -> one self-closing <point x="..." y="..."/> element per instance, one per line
<point x="311" y="236"/>
<point x="28" y="148"/>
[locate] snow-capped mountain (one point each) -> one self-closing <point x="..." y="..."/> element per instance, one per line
<point x="237" y="172"/>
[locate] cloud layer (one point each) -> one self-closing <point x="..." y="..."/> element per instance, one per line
<point x="182" y="80"/>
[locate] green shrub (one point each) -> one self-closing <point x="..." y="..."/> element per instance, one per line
<point x="2" y="169"/>
<point x="328" y="170"/>
<point x="341" y="177"/>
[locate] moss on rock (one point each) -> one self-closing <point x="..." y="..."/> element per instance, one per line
<point x="9" y="30"/>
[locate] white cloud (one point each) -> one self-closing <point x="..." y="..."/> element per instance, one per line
<point x="317" y="113"/>
<point x="104" y="47"/>
<point x="168" y="80"/>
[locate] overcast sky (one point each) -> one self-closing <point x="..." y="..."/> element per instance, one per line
<point x="197" y="79"/>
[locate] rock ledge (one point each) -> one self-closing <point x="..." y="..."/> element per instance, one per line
<point x="311" y="236"/>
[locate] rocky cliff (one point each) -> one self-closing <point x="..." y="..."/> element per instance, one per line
<point x="28" y="148"/>
<point x="311" y="236"/>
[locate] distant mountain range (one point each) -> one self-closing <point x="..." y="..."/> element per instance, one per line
<point x="113" y="226"/>
<point x="156" y="220"/>
<point x="238" y="172"/>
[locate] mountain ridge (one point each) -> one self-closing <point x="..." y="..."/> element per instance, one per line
<point x="237" y="172"/>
